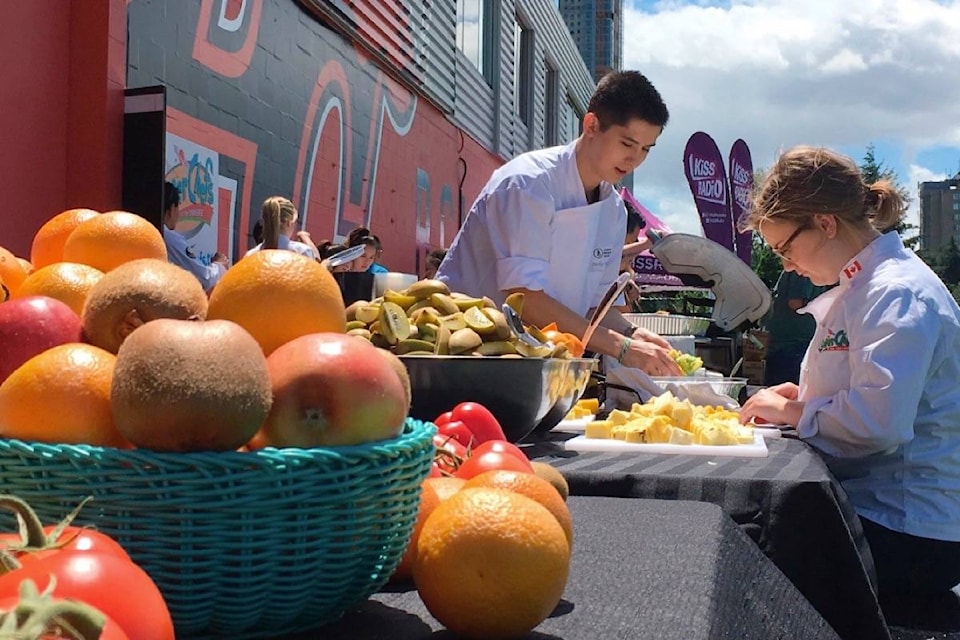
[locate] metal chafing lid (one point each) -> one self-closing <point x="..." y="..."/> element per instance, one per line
<point x="741" y="297"/>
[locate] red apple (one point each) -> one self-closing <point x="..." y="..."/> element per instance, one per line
<point x="331" y="389"/>
<point x="31" y="325"/>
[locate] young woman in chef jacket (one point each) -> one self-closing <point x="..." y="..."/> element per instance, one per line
<point x="879" y="392"/>
<point x="550" y="224"/>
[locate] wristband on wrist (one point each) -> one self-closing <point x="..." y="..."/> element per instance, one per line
<point x="624" y="347"/>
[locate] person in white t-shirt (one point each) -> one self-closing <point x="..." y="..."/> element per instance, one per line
<point x="279" y="218"/>
<point x="179" y="251"/>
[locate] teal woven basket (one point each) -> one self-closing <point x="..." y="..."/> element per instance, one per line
<point x="249" y="545"/>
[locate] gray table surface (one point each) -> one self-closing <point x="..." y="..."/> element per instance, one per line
<point x="787" y="502"/>
<point x="640" y="569"/>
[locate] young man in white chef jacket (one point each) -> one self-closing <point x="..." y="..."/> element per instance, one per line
<point x="550" y="224"/>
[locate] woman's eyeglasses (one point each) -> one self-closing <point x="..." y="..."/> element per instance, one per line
<point x="782" y="251"/>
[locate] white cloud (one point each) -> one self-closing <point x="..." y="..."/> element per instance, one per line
<point x="779" y="73"/>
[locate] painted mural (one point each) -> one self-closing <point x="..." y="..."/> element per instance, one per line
<point x="291" y="107"/>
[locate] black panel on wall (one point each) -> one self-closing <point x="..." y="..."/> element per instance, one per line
<point x="144" y="135"/>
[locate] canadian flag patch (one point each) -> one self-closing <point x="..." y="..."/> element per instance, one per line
<point x="853" y="269"/>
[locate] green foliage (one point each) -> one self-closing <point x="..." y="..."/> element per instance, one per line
<point x="765" y="263"/>
<point x="873" y="171"/>
<point x="948" y="263"/>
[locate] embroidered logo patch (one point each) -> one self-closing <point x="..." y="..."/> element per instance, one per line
<point x="853" y="269"/>
<point x="835" y="342"/>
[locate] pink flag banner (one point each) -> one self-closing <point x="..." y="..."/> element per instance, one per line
<point x="647" y="268"/>
<point x="704" y="168"/>
<point x="741" y="187"/>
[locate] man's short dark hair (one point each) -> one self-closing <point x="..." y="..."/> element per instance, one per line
<point x="635" y="221"/>
<point x="622" y="96"/>
<point x="171" y="195"/>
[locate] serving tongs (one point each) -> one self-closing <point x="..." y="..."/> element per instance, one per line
<point x="613" y="292"/>
<point x="345" y="256"/>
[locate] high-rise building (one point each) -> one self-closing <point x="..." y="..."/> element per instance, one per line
<point x="597" y="30"/>
<point x="939" y="213"/>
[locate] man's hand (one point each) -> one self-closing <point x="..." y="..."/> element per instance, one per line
<point x="221" y="259"/>
<point x="651" y="357"/>
<point x="645" y="334"/>
<point x="775" y="405"/>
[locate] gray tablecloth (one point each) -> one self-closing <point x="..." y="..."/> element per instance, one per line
<point x="642" y="569"/>
<point x="788" y="503"/>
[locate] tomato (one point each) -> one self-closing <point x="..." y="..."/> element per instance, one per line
<point x="443" y="418"/>
<point x="502" y="446"/>
<point x="480" y="421"/>
<point x="450" y="454"/>
<point x="117" y="587"/>
<point x="491" y="461"/>
<point x="108" y="628"/>
<point x="458" y="431"/>
<point x="38" y="541"/>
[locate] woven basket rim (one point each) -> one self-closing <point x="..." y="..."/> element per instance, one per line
<point x="412" y="434"/>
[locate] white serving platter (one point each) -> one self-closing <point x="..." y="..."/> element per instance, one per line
<point x="578" y="425"/>
<point x="756" y="449"/>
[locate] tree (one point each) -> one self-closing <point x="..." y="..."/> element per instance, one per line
<point x="764" y="262"/>
<point x="872" y="171"/>
<point x="949" y="263"/>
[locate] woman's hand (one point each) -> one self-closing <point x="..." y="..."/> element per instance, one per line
<point x="773" y="405"/>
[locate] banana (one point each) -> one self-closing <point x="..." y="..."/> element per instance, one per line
<point x="496" y="348"/>
<point x="464" y="341"/>
<point x="425" y="288"/>
<point x="406" y="346"/>
<point x="355" y="324"/>
<point x="467" y="303"/>
<point x="444" y="303"/>
<point x="425" y="315"/>
<point x="528" y="351"/>
<point x="352" y="309"/>
<point x="360" y="333"/>
<point x="442" y="347"/>
<point x="399" y="299"/>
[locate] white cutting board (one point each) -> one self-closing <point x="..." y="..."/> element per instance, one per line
<point x="580" y="425"/>
<point x="758" y="449"/>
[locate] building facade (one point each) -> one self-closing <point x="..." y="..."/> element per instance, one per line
<point x="597" y="30"/>
<point x="389" y="114"/>
<point x="939" y="213"/>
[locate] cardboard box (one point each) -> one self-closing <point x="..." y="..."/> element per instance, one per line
<point x="753" y="371"/>
<point x="752" y="351"/>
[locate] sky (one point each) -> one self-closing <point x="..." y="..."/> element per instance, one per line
<point x="779" y="73"/>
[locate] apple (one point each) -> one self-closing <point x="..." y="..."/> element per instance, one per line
<point x="31" y="325"/>
<point x="331" y="389"/>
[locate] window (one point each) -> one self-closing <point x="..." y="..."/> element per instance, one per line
<point x="522" y="70"/>
<point x="552" y="116"/>
<point x="470" y="31"/>
<point x="573" y="120"/>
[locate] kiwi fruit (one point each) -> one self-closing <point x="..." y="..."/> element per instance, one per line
<point x="135" y="293"/>
<point x="190" y="386"/>
<point x="553" y="476"/>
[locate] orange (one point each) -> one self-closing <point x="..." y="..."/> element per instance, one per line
<point x="68" y="282"/>
<point x="278" y="295"/>
<point x="12" y="271"/>
<point x="48" y="242"/>
<point x="446" y="486"/>
<point x="429" y="500"/>
<point x="63" y="396"/>
<point x="491" y="563"/>
<point x="108" y="240"/>
<point x="532" y="486"/>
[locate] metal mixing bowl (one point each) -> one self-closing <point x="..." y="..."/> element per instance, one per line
<point x="525" y="394"/>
